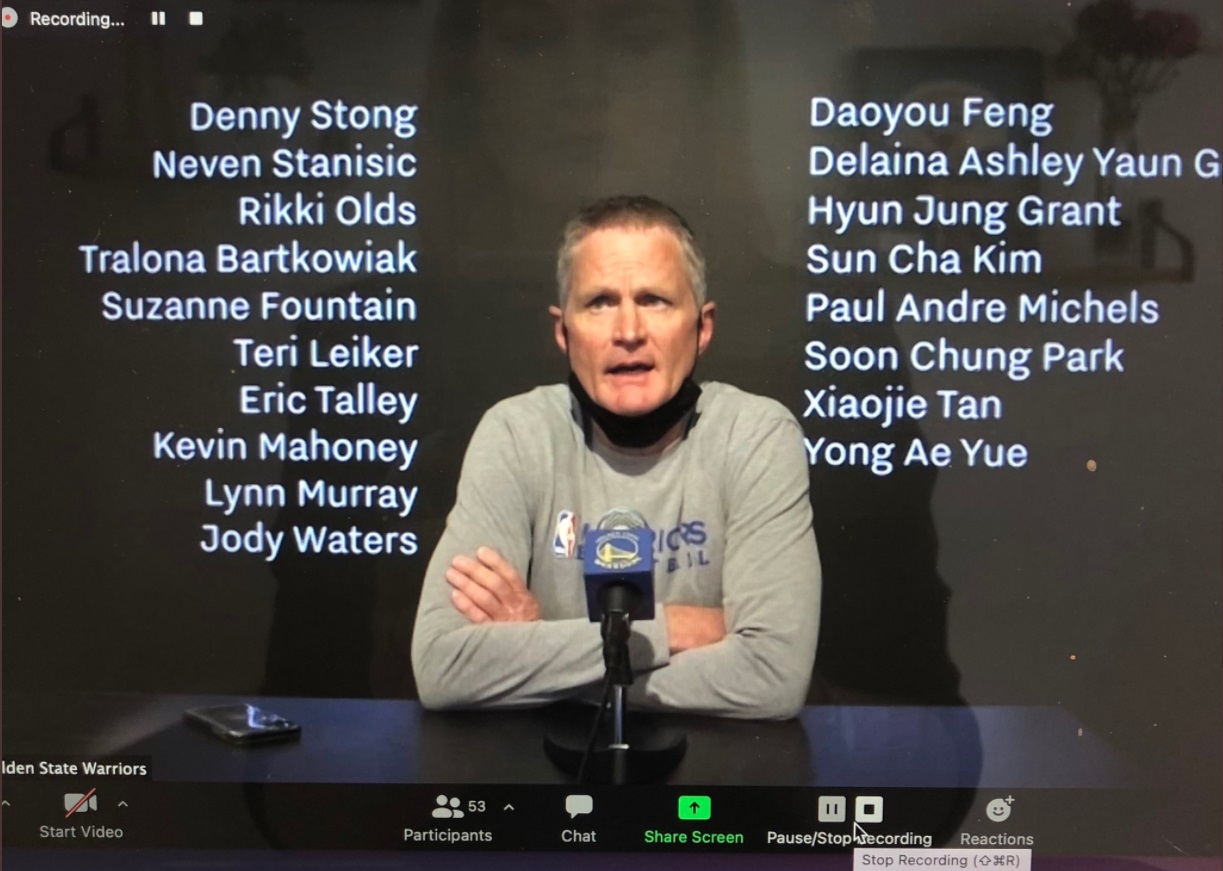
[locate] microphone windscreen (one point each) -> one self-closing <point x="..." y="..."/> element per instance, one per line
<point x="620" y="556"/>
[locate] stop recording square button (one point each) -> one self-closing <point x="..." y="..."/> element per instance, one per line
<point x="868" y="809"/>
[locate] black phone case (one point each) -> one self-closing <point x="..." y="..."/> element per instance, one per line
<point x="277" y="728"/>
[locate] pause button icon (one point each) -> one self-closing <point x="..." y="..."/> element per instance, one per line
<point x="158" y="19"/>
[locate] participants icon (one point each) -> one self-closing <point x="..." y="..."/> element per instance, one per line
<point x="448" y="809"/>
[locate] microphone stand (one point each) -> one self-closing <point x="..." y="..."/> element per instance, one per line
<point x="617" y="628"/>
<point x="643" y="753"/>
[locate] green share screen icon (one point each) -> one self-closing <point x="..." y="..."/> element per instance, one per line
<point x="695" y="807"/>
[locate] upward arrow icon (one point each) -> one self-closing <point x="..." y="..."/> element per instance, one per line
<point x="693" y="807"/>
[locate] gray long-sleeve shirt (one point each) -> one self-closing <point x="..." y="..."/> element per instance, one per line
<point x="729" y="505"/>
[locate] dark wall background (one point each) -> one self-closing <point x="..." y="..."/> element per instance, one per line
<point x="1048" y="585"/>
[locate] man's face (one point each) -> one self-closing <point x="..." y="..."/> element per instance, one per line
<point x="630" y="325"/>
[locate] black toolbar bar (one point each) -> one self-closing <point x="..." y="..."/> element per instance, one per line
<point x="136" y="812"/>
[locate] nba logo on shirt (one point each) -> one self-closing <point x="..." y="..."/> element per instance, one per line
<point x="565" y="541"/>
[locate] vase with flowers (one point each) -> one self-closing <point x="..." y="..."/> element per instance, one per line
<point x="1128" y="54"/>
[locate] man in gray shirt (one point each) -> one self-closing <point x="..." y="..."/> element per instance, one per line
<point x="718" y="474"/>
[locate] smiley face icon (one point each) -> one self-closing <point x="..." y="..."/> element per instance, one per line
<point x="998" y="810"/>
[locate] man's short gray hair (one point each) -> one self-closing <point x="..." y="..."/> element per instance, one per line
<point x="630" y="212"/>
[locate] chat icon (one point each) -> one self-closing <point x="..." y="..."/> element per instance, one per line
<point x="578" y="804"/>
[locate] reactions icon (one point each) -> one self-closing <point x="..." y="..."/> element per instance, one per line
<point x="999" y="809"/>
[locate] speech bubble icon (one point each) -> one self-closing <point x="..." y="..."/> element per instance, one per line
<point x="578" y="804"/>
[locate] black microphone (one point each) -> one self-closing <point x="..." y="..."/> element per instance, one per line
<point x="618" y="566"/>
<point x="618" y="570"/>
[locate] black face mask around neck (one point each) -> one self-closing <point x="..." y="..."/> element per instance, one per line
<point x="635" y="432"/>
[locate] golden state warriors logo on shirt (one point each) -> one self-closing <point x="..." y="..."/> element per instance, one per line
<point x="682" y="546"/>
<point x="565" y="539"/>
<point x="615" y="550"/>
